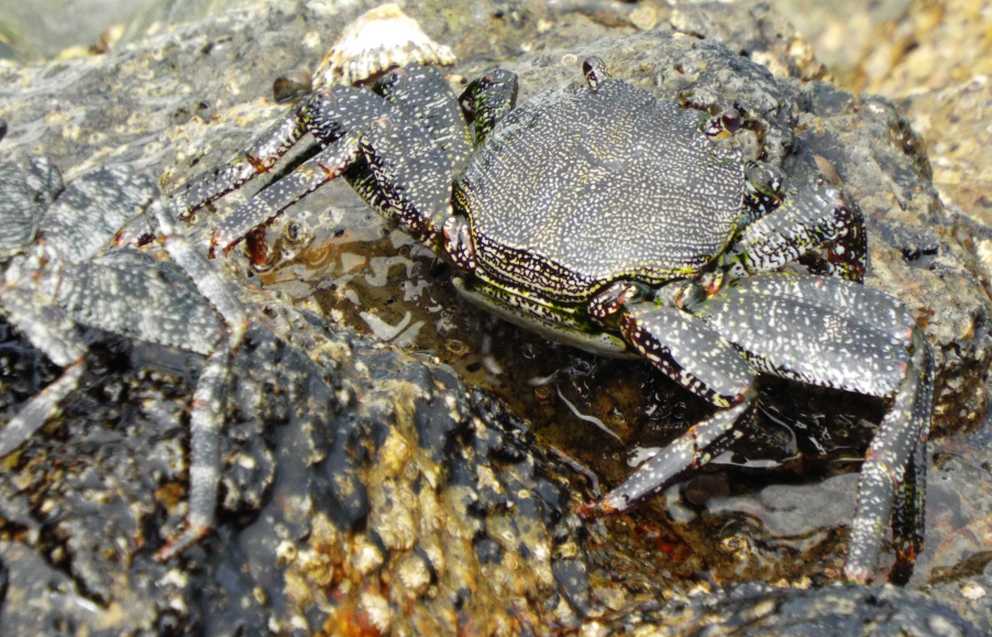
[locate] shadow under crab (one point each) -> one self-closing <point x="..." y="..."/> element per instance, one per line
<point x="606" y="219"/>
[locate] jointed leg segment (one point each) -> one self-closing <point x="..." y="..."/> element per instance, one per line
<point x="692" y="353"/>
<point x="824" y="331"/>
<point x="401" y="169"/>
<point x="258" y="158"/>
<point x="328" y="164"/>
<point x="899" y="444"/>
<point x="814" y="216"/>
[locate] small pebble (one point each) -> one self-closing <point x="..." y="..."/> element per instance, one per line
<point x="973" y="591"/>
<point x="644" y="17"/>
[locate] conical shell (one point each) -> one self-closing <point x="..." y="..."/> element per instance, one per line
<point x="381" y="39"/>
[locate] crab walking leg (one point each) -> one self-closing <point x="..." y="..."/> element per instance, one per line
<point x="813" y="216"/>
<point x="328" y="115"/>
<point x="883" y="474"/>
<point x="693" y="449"/>
<point x="207" y="280"/>
<point x="842" y="298"/>
<point x="328" y="164"/>
<point x="688" y="351"/>
<point x="423" y="94"/>
<point x="909" y="518"/>
<point x="785" y="333"/>
<point x="172" y="312"/>
<point x="55" y="335"/>
<point x="173" y="303"/>
<point x="208" y="400"/>
<point x="257" y="158"/>
<point x="204" y="471"/>
<point x="693" y="354"/>
<point x="783" y="327"/>
<point x="39" y="409"/>
<point x="404" y="175"/>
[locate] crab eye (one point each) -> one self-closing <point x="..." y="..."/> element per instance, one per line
<point x="731" y="120"/>
<point x="468" y="107"/>
<point x="294" y="232"/>
<point x="594" y="69"/>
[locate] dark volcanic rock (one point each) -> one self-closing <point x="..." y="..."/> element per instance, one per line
<point x="366" y="489"/>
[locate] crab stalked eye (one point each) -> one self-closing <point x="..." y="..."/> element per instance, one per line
<point x="594" y="69"/>
<point x="731" y="120"/>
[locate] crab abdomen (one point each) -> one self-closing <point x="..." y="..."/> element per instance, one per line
<point x="580" y="187"/>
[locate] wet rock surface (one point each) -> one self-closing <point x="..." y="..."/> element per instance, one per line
<point x="933" y="59"/>
<point x="368" y="489"/>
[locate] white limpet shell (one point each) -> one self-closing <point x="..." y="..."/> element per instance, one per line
<point x="379" y="40"/>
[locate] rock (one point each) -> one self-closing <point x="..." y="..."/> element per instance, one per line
<point x="841" y="610"/>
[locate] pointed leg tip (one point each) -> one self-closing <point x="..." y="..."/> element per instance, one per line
<point x="220" y="243"/>
<point x="179" y="543"/>
<point x="588" y="510"/>
<point x="212" y="250"/>
<point x="597" y="508"/>
<point x="857" y="574"/>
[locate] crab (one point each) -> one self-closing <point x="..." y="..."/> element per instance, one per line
<point x="621" y="224"/>
<point x="64" y="269"/>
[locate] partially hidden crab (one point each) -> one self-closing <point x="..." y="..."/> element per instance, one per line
<point x="612" y="221"/>
<point x="64" y="269"/>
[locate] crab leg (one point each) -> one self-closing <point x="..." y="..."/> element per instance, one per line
<point x="813" y="216"/>
<point x="207" y="416"/>
<point x="409" y="179"/>
<point x="51" y="331"/>
<point x="175" y="314"/>
<point x="696" y="447"/>
<point x="328" y="164"/>
<point x="887" y="315"/>
<point x="883" y="475"/>
<point x="823" y="331"/>
<point x="326" y="114"/>
<point x="206" y="279"/>
<point x="39" y="409"/>
<point x="693" y="354"/>
<point x="790" y="334"/>
<point x="206" y="421"/>
<point x="423" y="94"/>
<point x="261" y="155"/>
<point x="860" y="344"/>
<point x="909" y="518"/>
<point x="688" y="351"/>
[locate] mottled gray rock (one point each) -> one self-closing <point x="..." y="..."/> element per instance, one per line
<point x="840" y="610"/>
